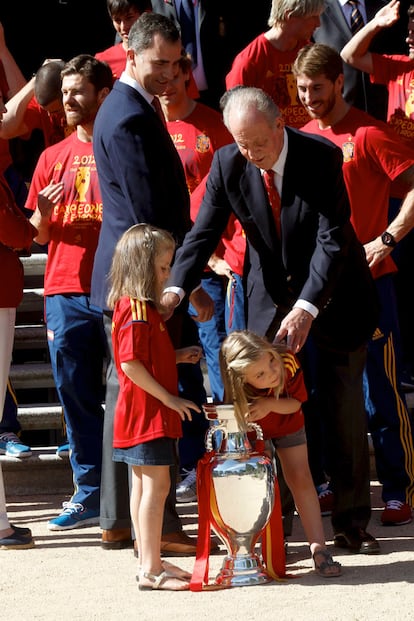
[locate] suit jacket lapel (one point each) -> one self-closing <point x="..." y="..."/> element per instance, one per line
<point x="334" y="12"/>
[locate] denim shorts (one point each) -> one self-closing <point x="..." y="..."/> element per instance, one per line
<point x="159" y="452"/>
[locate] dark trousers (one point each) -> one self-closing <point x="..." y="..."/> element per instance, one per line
<point x="336" y="405"/>
<point x="389" y="420"/>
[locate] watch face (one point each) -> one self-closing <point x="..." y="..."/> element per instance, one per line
<point x="388" y="239"/>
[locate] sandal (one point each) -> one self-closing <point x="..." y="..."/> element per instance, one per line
<point x="173" y="570"/>
<point x="160" y="582"/>
<point x="176" y="571"/>
<point x="323" y="568"/>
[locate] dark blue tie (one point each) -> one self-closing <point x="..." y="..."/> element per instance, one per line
<point x="188" y="30"/>
<point x="357" y="21"/>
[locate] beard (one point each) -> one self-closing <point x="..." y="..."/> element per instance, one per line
<point x="324" y="110"/>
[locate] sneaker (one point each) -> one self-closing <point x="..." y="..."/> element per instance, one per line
<point x="63" y="450"/>
<point x="18" y="540"/>
<point x="396" y="513"/>
<point x="11" y="446"/>
<point x="326" y="498"/>
<point x="187" y="489"/>
<point x="74" y="515"/>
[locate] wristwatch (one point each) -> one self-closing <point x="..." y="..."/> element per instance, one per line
<point x="388" y="239"/>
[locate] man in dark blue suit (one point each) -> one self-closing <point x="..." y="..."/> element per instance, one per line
<point x="311" y="282"/>
<point x="335" y="31"/>
<point x="222" y="29"/>
<point x="142" y="180"/>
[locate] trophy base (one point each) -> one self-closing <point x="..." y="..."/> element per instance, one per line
<point x="242" y="571"/>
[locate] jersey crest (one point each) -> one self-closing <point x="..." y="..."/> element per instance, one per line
<point x="348" y="150"/>
<point x="202" y="143"/>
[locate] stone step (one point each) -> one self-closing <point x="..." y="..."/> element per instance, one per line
<point x="46" y="473"/>
<point x="32" y="375"/>
<point x="35" y="264"/>
<point x="42" y="473"/>
<point x="32" y="301"/>
<point x="40" y="416"/>
<point x="30" y="337"/>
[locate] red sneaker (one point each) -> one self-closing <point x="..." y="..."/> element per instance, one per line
<point x="396" y="513"/>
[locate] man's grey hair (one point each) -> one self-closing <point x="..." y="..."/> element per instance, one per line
<point x="245" y="98"/>
<point x="296" y="8"/>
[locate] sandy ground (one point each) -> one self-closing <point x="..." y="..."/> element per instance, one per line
<point x="68" y="576"/>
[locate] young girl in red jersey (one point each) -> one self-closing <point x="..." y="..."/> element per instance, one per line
<point x="148" y="412"/>
<point x="267" y="387"/>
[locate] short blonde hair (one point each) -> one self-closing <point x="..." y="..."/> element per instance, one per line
<point x="296" y="8"/>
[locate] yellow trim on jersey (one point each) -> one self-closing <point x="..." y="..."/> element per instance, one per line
<point x="290" y="363"/>
<point x="138" y="310"/>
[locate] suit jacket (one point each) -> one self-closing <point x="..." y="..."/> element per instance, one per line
<point x="226" y="27"/>
<point x="335" y="32"/>
<point x="140" y="175"/>
<point x="319" y="258"/>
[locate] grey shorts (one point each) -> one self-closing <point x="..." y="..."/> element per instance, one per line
<point x="292" y="439"/>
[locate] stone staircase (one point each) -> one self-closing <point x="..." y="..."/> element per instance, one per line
<point x="39" y="411"/>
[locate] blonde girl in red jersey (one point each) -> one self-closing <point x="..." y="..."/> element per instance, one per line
<point x="149" y="411"/>
<point x="267" y="387"/>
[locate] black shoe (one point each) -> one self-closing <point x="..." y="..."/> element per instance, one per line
<point x="17" y="541"/>
<point x="21" y="530"/>
<point x="357" y="540"/>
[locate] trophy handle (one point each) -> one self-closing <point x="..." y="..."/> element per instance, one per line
<point x="210" y="434"/>
<point x="223" y="428"/>
<point x="255" y="427"/>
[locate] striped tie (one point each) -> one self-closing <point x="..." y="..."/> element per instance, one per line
<point x="357" y="21"/>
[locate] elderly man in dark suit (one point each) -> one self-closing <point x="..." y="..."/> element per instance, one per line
<point x="142" y="180"/>
<point x="314" y="271"/>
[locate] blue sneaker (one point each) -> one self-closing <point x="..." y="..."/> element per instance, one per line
<point x="74" y="515"/>
<point x="63" y="450"/>
<point x="11" y="446"/>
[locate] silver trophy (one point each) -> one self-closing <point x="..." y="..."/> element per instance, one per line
<point x="243" y="481"/>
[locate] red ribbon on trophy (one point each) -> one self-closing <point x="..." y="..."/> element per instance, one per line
<point x="273" y="550"/>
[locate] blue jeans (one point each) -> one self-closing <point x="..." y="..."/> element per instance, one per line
<point x="77" y="349"/>
<point x="228" y="298"/>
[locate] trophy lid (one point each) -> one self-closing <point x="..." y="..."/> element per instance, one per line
<point x="224" y="411"/>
